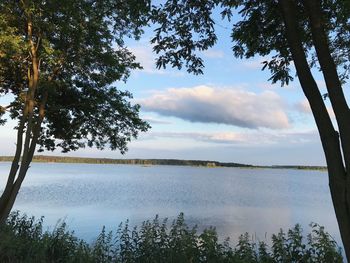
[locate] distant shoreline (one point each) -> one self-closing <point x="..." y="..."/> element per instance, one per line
<point x="147" y="162"/>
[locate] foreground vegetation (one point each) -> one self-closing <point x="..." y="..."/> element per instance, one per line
<point x="24" y="240"/>
<point x="62" y="159"/>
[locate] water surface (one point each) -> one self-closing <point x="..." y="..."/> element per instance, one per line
<point x="235" y="200"/>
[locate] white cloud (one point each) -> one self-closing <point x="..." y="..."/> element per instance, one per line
<point x="145" y="56"/>
<point x="256" y="138"/>
<point x="155" y="121"/>
<point x="254" y="63"/>
<point x="219" y="137"/>
<point x="212" y="53"/>
<point x="304" y="107"/>
<point x="220" y="105"/>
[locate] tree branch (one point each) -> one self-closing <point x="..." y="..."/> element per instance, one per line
<point x="6" y="108"/>
<point x="36" y="131"/>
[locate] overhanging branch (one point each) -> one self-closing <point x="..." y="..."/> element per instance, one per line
<point x="5" y="108"/>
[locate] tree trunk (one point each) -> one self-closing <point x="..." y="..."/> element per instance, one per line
<point x="13" y="171"/>
<point x="340" y="193"/>
<point x="338" y="179"/>
<point x="19" y="167"/>
<point x="8" y="198"/>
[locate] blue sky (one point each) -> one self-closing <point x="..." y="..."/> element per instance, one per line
<point x="231" y="113"/>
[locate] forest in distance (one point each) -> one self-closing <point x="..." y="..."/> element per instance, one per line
<point x="201" y="163"/>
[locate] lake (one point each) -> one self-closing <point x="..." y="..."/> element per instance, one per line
<point x="235" y="200"/>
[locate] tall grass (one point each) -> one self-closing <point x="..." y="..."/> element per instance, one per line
<point x="23" y="239"/>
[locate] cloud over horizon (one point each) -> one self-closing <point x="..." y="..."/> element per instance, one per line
<point x="304" y="107"/>
<point x="220" y="105"/>
<point x="255" y="138"/>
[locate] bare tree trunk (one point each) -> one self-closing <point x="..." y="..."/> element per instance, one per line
<point x="14" y="168"/>
<point x="340" y="193"/>
<point x="333" y="147"/>
<point x="9" y="195"/>
<point x="10" y="198"/>
<point x="31" y="127"/>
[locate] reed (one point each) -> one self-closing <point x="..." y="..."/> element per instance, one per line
<point x="24" y="240"/>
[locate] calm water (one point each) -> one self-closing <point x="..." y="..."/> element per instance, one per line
<point x="258" y="201"/>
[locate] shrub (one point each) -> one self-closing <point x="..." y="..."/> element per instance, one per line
<point x="23" y="240"/>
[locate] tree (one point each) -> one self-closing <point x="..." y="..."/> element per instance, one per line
<point x="308" y="33"/>
<point x="58" y="62"/>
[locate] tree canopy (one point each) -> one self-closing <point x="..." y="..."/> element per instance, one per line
<point x="257" y="28"/>
<point x="80" y="51"/>
<point x="60" y="61"/>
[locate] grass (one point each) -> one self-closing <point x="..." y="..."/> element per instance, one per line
<point x="23" y="239"/>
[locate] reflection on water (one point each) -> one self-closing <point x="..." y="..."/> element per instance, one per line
<point x="258" y="201"/>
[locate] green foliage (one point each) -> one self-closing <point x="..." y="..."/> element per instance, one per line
<point x="322" y="245"/>
<point x="23" y="240"/>
<point x="246" y="250"/>
<point x="186" y="27"/>
<point x="80" y="49"/>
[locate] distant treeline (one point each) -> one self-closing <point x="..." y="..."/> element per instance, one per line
<point x="300" y="167"/>
<point x="62" y="159"/>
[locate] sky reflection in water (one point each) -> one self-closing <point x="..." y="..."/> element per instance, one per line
<point x="258" y="201"/>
